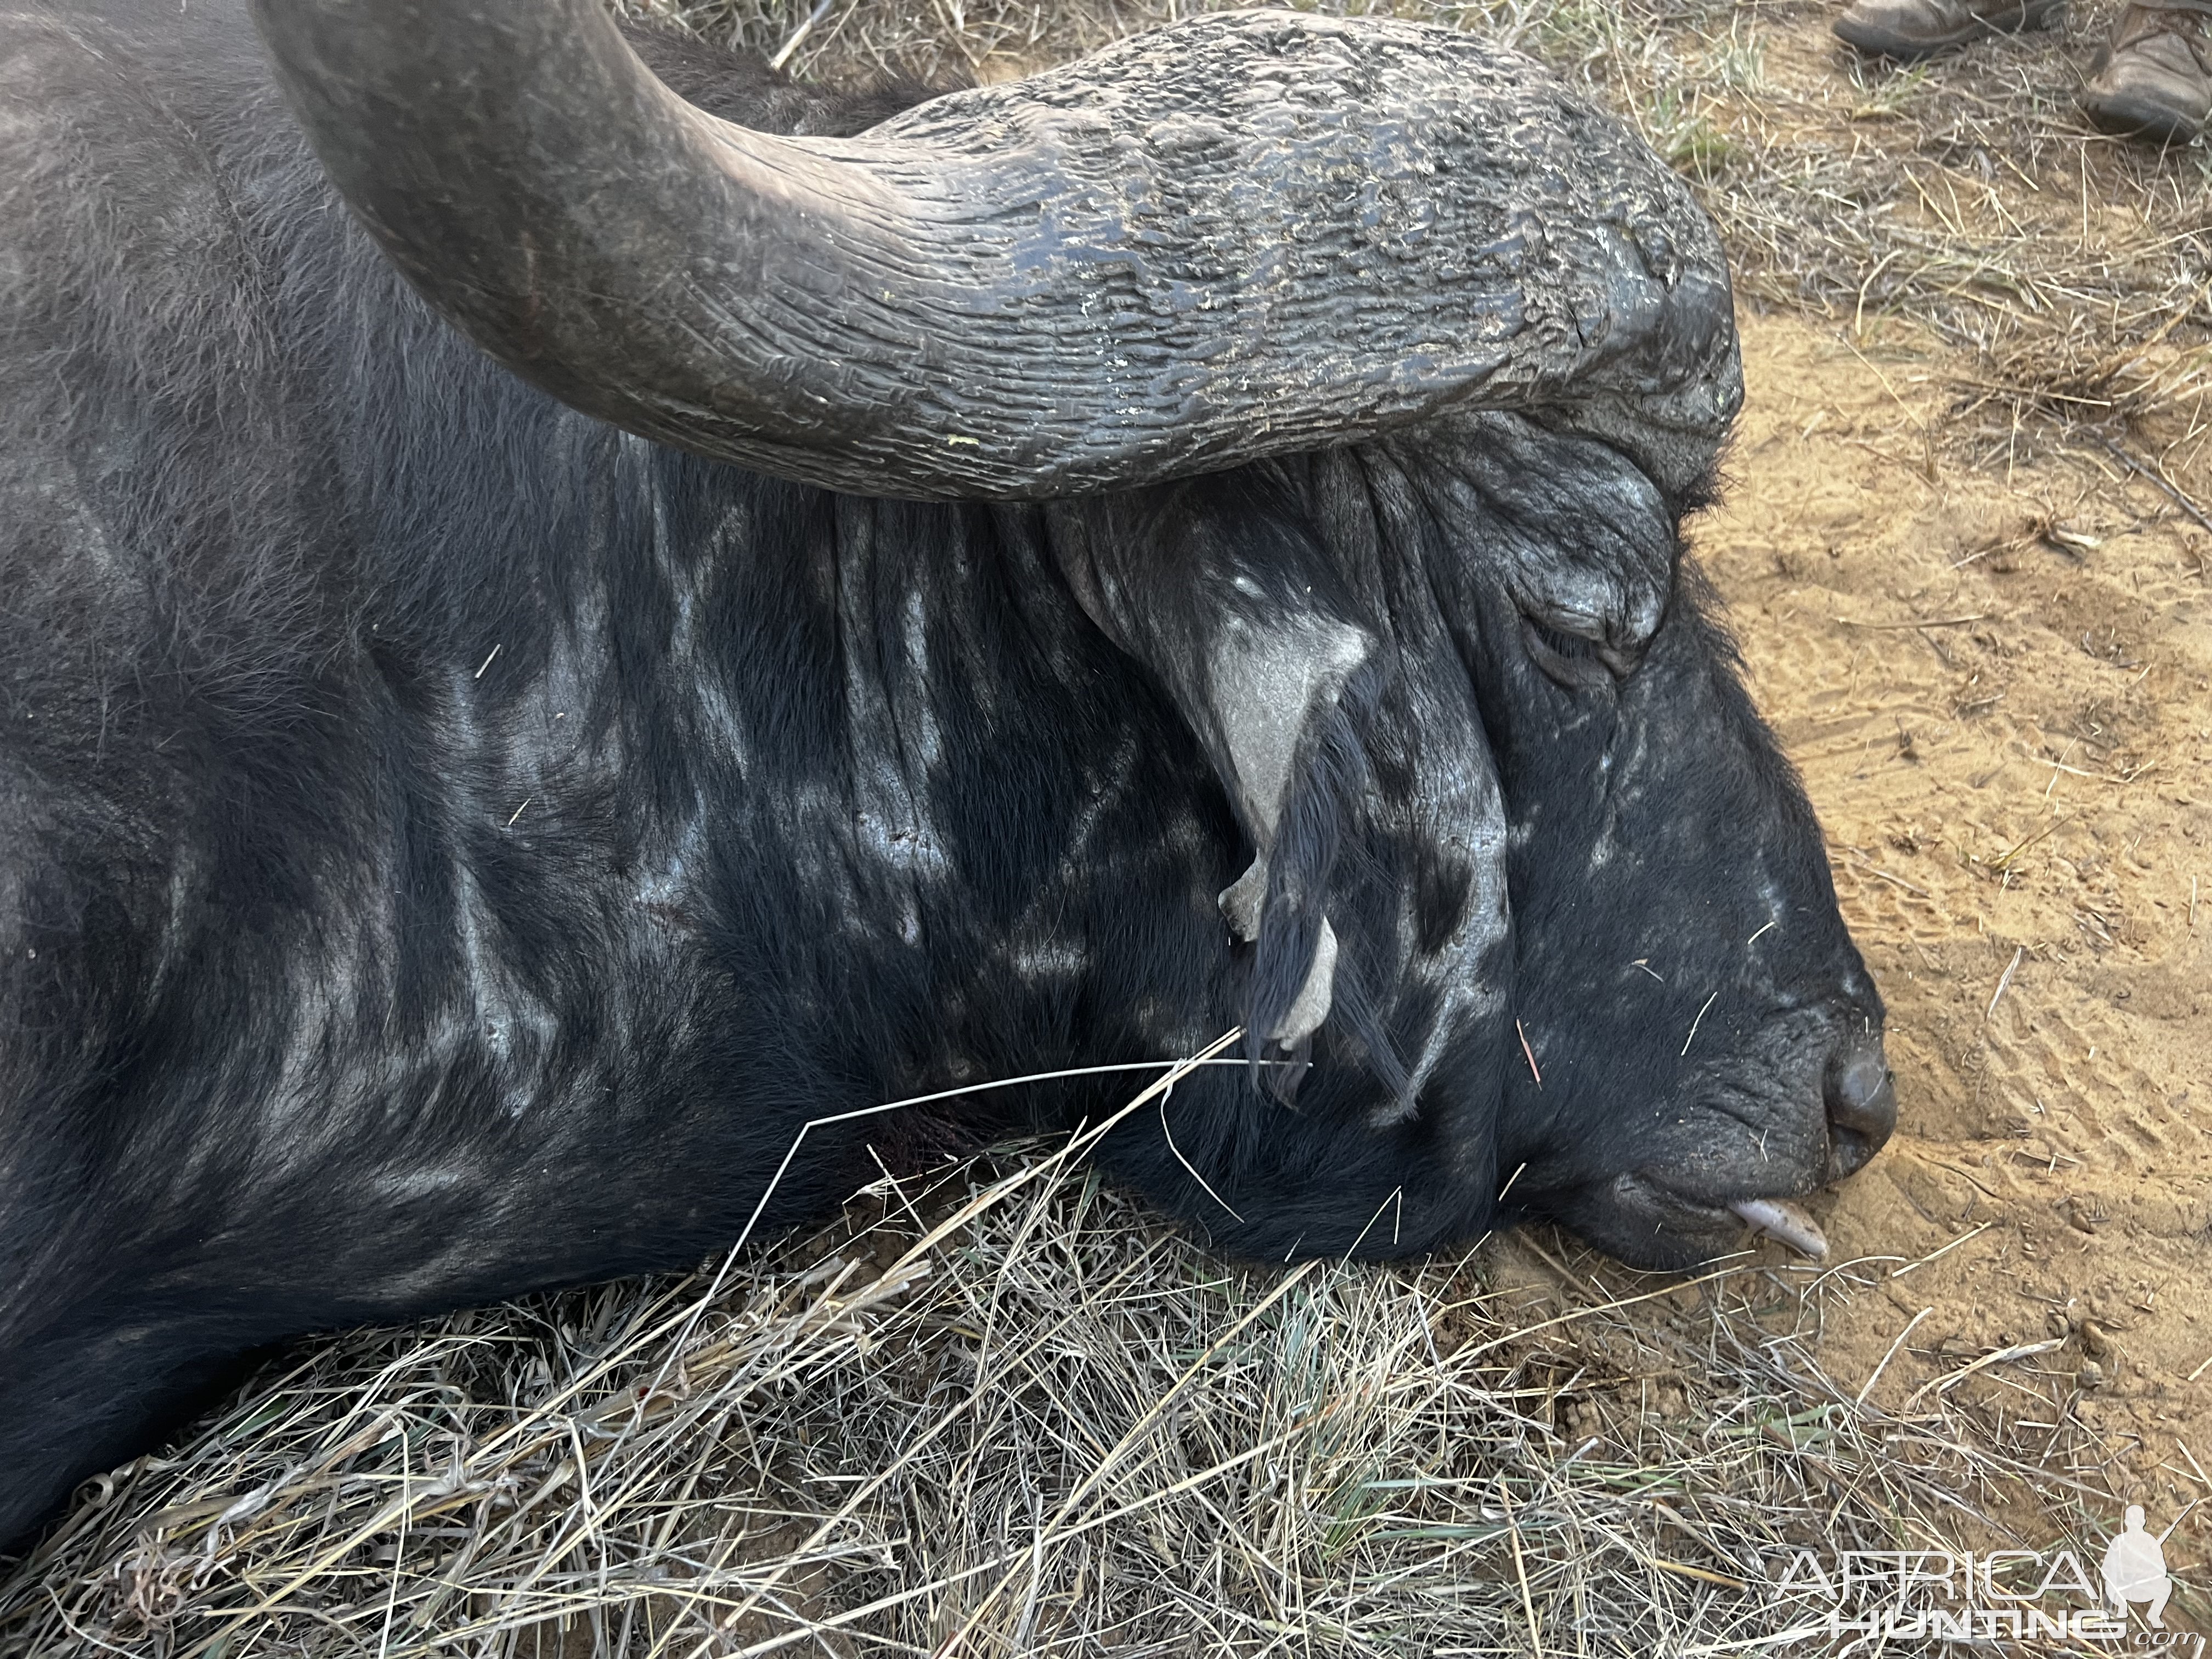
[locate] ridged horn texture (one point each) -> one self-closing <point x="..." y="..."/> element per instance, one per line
<point x="1240" y="236"/>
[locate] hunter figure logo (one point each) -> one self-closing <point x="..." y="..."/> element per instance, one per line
<point x="2134" y="1570"/>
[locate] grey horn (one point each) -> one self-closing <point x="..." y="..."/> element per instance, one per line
<point x="1241" y="236"/>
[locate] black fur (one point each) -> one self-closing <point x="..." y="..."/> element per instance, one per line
<point x="448" y="847"/>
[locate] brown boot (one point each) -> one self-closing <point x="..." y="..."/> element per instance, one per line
<point x="2154" y="80"/>
<point x="1920" y="28"/>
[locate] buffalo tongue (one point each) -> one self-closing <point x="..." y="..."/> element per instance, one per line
<point x="1784" y="1221"/>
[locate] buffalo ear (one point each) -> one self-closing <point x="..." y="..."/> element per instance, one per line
<point x="1298" y="636"/>
<point x="1221" y="589"/>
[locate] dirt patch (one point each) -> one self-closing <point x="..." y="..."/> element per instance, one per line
<point x="1999" y="689"/>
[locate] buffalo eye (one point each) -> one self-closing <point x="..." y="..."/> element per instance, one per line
<point x="1569" y="661"/>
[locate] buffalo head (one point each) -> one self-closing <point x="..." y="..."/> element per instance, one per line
<point x="1188" y="540"/>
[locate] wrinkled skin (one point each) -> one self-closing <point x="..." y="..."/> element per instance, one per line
<point x="1705" y="1030"/>
<point x="449" y="848"/>
<point x="1664" y="873"/>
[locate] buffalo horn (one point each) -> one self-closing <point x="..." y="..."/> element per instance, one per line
<point x="1243" y="235"/>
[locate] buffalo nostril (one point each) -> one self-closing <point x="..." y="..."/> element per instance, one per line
<point x="1862" y="1100"/>
<point x="1861" y="1096"/>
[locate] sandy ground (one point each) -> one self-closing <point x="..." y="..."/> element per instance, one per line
<point x="1999" y="689"/>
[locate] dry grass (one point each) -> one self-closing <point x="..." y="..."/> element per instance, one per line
<point x="998" y="1411"/>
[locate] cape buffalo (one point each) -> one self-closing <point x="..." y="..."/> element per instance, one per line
<point x="558" y="624"/>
